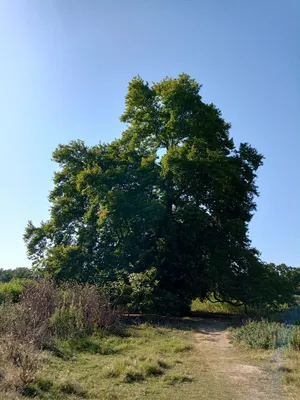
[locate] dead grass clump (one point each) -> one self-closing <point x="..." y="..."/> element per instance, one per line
<point x="19" y="364"/>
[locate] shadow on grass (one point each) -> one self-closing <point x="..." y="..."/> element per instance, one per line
<point x="197" y="322"/>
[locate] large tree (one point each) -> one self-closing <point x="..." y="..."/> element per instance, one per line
<point x="173" y="196"/>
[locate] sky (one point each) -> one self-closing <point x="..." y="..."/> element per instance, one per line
<point x="64" y="70"/>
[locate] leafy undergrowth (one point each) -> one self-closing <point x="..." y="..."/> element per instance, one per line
<point x="152" y="361"/>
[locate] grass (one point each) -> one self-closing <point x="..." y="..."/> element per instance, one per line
<point x="149" y="360"/>
<point x="207" y="306"/>
<point x="277" y="344"/>
<point x="268" y="335"/>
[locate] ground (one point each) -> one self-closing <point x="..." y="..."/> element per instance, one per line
<point x="231" y="373"/>
<point x="189" y="358"/>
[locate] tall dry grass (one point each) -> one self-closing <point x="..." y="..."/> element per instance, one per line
<point x="47" y="312"/>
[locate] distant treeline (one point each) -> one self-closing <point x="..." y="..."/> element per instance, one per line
<point x="7" y="275"/>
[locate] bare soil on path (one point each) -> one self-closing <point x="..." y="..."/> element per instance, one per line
<point x="226" y="373"/>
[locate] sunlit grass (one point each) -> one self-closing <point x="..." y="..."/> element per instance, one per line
<point x="148" y="359"/>
<point x="219" y="308"/>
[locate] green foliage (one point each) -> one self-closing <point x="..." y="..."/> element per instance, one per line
<point x="295" y="337"/>
<point x="139" y="364"/>
<point x="7" y="275"/>
<point x="273" y="287"/>
<point x="268" y="335"/>
<point x="134" y="291"/>
<point x="12" y="290"/>
<point x="208" y="306"/>
<point x="160" y="216"/>
<point x="66" y="322"/>
<point x="46" y="312"/>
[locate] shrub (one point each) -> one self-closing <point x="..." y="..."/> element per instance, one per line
<point x="83" y="310"/>
<point x="266" y="335"/>
<point x="12" y="291"/>
<point x="20" y="363"/>
<point x="46" y="311"/>
<point x="295" y="337"/>
<point x="88" y="308"/>
<point x="66" y="322"/>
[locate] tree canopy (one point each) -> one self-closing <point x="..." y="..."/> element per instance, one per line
<point x="160" y="215"/>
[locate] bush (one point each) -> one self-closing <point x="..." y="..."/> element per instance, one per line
<point x="46" y="311"/>
<point x="65" y="322"/>
<point x="267" y="335"/>
<point x="295" y="337"/>
<point x="12" y="291"/>
<point x="92" y="307"/>
<point x="20" y="363"/>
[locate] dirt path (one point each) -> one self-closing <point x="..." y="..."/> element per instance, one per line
<point x="228" y="372"/>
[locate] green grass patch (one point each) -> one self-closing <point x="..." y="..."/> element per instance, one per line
<point x="218" y="308"/>
<point x="73" y="388"/>
<point x="128" y="367"/>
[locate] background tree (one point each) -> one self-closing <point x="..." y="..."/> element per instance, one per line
<point x="7" y="275"/>
<point x="173" y="195"/>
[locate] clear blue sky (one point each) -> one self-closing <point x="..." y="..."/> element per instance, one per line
<point x="65" y="66"/>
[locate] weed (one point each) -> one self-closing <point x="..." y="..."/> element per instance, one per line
<point x="111" y="371"/>
<point x="21" y="363"/>
<point x="152" y="369"/>
<point x="70" y="387"/>
<point x="132" y="375"/>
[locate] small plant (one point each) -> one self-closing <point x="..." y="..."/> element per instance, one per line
<point x="66" y="322"/>
<point x="12" y="291"/>
<point x="111" y="371"/>
<point x="133" y="375"/>
<point x="152" y="369"/>
<point x="70" y="387"/>
<point x="21" y="361"/>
